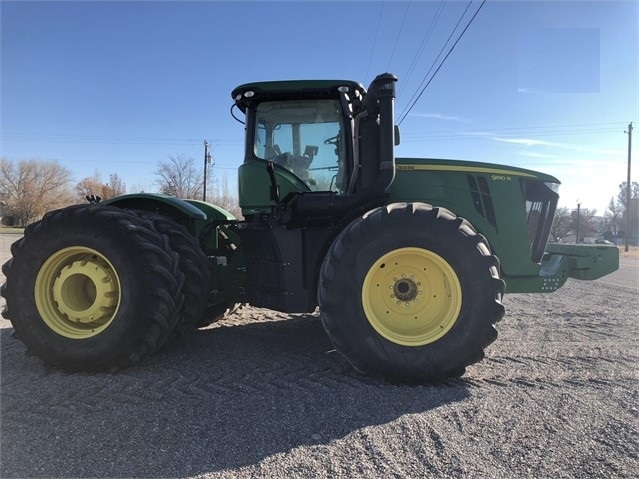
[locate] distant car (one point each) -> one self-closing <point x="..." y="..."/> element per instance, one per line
<point x="603" y="241"/>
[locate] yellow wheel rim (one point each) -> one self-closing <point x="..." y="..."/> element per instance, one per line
<point x="77" y="292"/>
<point x="411" y="296"/>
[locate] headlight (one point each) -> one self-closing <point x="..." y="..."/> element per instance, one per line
<point x="552" y="186"/>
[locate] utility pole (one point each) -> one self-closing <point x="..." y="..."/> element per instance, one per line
<point x="578" y="214"/>
<point x="628" y="187"/>
<point x="207" y="160"/>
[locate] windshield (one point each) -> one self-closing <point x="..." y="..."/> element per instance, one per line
<point x="304" y="136"/>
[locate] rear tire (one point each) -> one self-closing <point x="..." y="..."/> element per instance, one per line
<point x="194" y="266"/>
<point x="410" y="293"/>
<point x="92" y="288"/>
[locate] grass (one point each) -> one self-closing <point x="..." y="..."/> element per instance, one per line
<point x="11" y="231"/>
<point x="632" y="251"/>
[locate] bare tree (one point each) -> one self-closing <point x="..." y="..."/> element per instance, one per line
<point x="561" y="225"/>
<point x="628" y="225"/>
<point x="178" y="176"/>
<point x="565" y="223"/>
<point x="138" y="187"/>
<point x="614" y="215"/>
<point x="30" y="188"/>
<point x="223" y="197"/>
<point x="622" y="197"/>
<point x="92" y="185"/>
<point x="587" y="223"/>
<point x="115" y="186"/>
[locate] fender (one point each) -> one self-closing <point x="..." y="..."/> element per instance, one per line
<point x="194" y="209"/>
<point x="175" y="208"/>
<point x="196" y="216"/>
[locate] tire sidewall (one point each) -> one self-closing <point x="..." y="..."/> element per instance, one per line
<point x="387" y="229"/>
<point x="132" y="320"/>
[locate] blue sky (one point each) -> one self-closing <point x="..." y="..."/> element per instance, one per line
<point x="116" y="86"/>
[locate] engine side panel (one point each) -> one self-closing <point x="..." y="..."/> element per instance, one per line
<point x="492" y="197"/>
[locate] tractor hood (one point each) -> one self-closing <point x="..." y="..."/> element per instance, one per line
<point x="434" y="164"/>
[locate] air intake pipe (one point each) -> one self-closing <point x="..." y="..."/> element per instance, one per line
<point x="380" y="106"/>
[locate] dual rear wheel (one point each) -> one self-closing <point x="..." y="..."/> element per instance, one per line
<point x="97" y="288"/>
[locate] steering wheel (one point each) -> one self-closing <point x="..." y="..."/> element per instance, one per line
<point x="333" y="140"/>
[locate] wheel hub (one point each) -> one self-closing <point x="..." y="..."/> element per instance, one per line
<point x="406" y="289"/>
<point x="85" y="291"/>
<point x="77" y="292"/>
<point x="411" y="296"/>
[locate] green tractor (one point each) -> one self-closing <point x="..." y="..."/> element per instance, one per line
<point x="407" y="259"/>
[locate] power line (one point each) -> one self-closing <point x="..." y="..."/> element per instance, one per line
<point x="439" y="54"/>
<point x="571" y="125"/>
<point x="62" y="138"/>
<point x="401" y="29"/>
<point x="422" y="46"/>
<point x="370" y="58"/>
<point x="407" y="111"/>
<point x="128" y="162"/>
<point x="488" y="135"/>
<point x="520" y="131"/>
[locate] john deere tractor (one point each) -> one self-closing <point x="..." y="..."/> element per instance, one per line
<point x="407" y="259"/>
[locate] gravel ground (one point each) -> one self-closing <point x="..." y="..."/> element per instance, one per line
<point x="263" y="395"/>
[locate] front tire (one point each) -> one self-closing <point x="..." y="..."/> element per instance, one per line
<point x="92" y="288"/>
<point x="410" y="293"/>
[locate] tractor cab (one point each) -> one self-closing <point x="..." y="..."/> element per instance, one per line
<point x="306" y="142"/>
<point x="306" y="137"/>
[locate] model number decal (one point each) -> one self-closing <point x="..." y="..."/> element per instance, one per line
<point x="496" y="174"/>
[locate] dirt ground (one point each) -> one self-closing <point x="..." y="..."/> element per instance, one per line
<point x="264" y="395"/>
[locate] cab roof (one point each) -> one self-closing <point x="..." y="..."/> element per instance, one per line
<point x="249" y="93"/>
